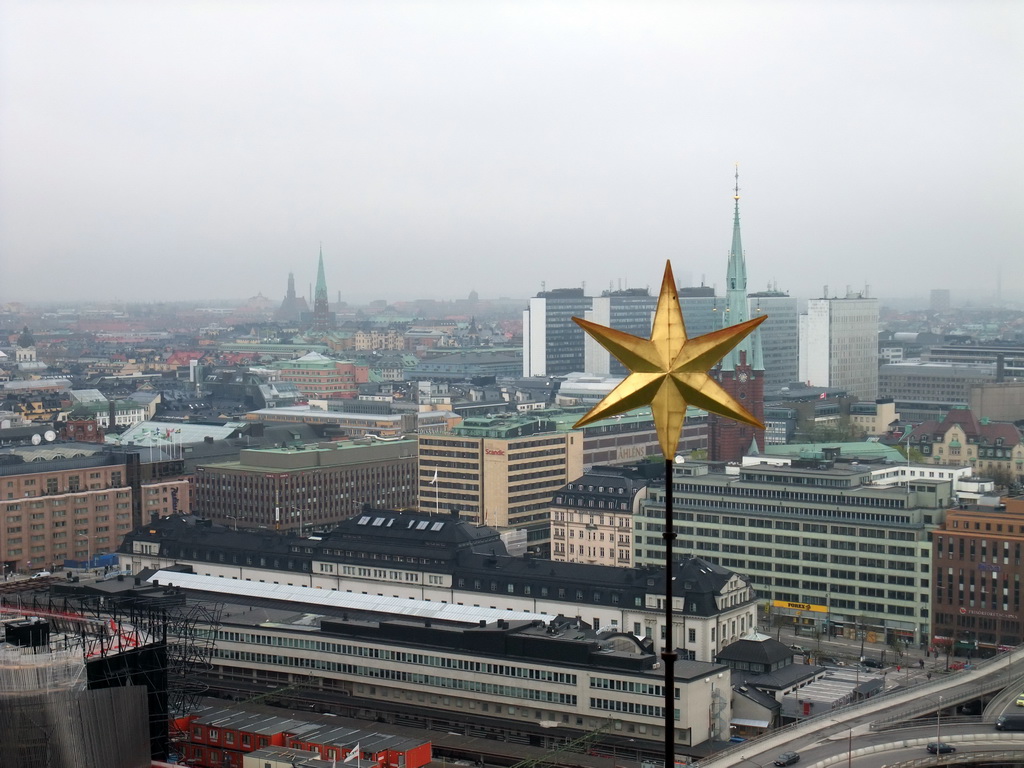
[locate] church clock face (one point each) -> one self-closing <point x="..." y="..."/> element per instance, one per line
<point x="742" y="377"/>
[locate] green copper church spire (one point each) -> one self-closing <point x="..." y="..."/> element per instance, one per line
<point x="737" y="306"/>
<point x="321" y="279"/>
<point x="322" y="319"/>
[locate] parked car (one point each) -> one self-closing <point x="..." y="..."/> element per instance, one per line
<point x="787" y="758"/>
<point x="872" y="663"/>
<point x="940" y="748"/>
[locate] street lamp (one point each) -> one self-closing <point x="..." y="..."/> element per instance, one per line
<point x="232" y="517"/>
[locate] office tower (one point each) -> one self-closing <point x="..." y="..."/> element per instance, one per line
<point x="780" y="334"/>
<point x="628" y="310"/>
<point x="552" y="342"/>
<point x="839" y="344"/>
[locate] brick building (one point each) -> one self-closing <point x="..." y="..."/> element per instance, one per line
<point x="307" y="486"/>
<point x="319" y="376"/>
<point x="222" y="737"/>
<point x="76" y="506"/>
<point x="976" y="559"/>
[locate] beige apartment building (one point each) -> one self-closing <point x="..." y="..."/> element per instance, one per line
<point x="592" y="516"/>
<point x="499" y="471"/>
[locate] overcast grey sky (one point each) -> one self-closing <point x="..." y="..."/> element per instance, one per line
<point x="173" y="150"/>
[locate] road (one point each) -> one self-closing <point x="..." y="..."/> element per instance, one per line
<point x="823" y="736"/>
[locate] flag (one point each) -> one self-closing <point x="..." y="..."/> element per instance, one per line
<point x="822" y="396"/>
<point x="352" y="755"/>
<point x="434" y="481"/>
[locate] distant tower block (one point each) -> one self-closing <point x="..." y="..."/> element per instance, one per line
<point x="940" y="301"/>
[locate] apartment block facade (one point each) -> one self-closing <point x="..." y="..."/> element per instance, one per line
<point x="978" y="573"/>
<point x="839" y="344"/>
<point x="309" y="486"/>
<point x="592" y="517"/>
<point x="502" y="471"/>
<point x="813" y="533"/>
<point x="77" y="508"/>
<point x="319" y="376"/>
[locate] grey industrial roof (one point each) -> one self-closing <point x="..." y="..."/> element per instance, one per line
<point x="396" y="606"/>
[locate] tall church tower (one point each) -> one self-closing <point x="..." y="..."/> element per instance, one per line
<point x="323" y="318"/>
<point x="293" y="308"/>
<point x="741" y="372"/>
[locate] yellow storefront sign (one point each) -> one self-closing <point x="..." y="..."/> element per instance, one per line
<point x="800" y="606"/>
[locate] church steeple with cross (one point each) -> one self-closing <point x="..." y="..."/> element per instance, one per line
<point x="741" y="372"/>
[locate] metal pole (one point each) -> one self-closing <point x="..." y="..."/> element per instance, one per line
<point x="668" y="654"/>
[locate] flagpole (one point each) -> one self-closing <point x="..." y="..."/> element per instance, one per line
<point x="668" y="654"/>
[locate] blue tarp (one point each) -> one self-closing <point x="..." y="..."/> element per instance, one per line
<point x="98" y="561"/>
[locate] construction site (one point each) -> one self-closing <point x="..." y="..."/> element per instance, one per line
<point x="90" y="674"/>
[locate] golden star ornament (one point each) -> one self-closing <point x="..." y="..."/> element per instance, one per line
<point x="669" y="371"/>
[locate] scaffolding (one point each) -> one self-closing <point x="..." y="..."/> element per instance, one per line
<point x="107" y="643"/>
<point x="49" y="718"/>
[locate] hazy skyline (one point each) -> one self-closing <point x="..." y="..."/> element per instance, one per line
<point x="194" y="150"/>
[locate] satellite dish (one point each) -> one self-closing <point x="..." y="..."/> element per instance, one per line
<point x="50" y="435"/>
<point x="36" y="439"/>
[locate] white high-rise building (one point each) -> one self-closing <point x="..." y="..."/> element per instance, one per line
<point x="630" y="310"/>
<point x="780" y="337"/>
<point x="839" y="344"/>
<point x="552" y="342"/>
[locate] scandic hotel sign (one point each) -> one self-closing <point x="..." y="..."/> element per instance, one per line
<point x="800" y="606"/>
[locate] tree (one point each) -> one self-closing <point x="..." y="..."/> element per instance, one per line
<point x="944" y="644"/>
<point x="1002" y="476"/>
<point x="897" y="645"/>
<point x="915" y="455"/>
